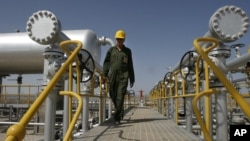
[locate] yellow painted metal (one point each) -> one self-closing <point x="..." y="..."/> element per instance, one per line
<point x="207" y="99"/>
<point x="183" y="83"/>
<point x="221" y="76"/>
<point x="101" y="106"/>
<point x="170" y="92"/>
<point x="29" y="96"/>
<point x="163" y="97"/>
<point x="207" y="92"/>
<point x="76" y="115"/>
<point x="17" y="132"/>
<point x="70" y="88"/>
<point x="63" y="45"/>
<point x="198" y="115"/>
<point x="176" y="111"/>
<point x="239" y="99"/>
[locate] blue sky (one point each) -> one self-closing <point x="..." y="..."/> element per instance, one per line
<point x="159" y="32"/>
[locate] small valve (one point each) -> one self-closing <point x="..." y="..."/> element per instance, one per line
<point x="237" y="47"/>
<point x="87" y="65"/>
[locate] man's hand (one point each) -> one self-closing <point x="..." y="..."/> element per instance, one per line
<point x="104" y="79"/>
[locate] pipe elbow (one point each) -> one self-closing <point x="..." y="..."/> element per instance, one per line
<point x="106" y="41"/>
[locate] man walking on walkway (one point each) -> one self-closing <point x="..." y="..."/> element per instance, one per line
<point x="118" y="66"/>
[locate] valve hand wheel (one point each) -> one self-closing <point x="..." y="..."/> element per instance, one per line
<point x="188" y="68"/>
<point x="237" y="45"/>
<point x="87" y="65"/>
<point x="168" y="79"/>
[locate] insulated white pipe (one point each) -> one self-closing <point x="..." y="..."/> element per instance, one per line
<point x="238" y="62"/>
<point x="227" y="24"/>
<point x="21" y="55"/>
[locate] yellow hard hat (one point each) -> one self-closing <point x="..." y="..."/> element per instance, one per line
<point x="120" y="34"/>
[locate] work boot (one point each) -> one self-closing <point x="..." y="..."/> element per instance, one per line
<point x="117" y="122"/>
<point x="122" y="114"/>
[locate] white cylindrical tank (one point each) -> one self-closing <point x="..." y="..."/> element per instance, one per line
<point x="21" y="55"/>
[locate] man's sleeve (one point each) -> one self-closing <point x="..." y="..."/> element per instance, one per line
<point x="131" y="69"/>
<point x="106" y="63"/>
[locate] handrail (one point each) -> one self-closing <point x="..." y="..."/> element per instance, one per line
<point x="71" y="121"/>
<point x="205" y="127"/>
<point x="221" y="76"/>
<point x="5" y="95"/>
<point x="63" y="45"/>
<point x="239" y="99"/>
<point x="76" y="115"/>
<point x="17" y="132"/>
<point x="198" y="115"/>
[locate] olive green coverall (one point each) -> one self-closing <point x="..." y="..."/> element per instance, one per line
<point x="118" y="66"/>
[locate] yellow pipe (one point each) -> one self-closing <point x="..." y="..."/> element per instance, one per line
<point x="183" y="87"/>
<point x="70" y="85"/>
<point x="70" y="88"/>
<point x="76" y="115"/>
<point x="176" y="111"/>
<point x="207" y="99"/>
<point x="198" y="115"/>
<point x="101" y="103"/>
<point x="17" y="132"/>
<point x="221" y="76"/>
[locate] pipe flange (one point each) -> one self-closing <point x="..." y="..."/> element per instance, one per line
<point x="229" y="23"/>
<point x="221" y="51"/>
<point x="43" y="27"/>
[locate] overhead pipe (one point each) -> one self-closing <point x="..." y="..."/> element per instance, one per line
<point x="238" y="62"/>
<point x="106" y="41"/>
<point x="23" y="54"/>
<point x="227" y="24"/>
<point x="44" y="28"/>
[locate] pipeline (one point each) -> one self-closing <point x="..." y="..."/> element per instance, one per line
<point x="225" y="31"/>
<point x="31" y="48"/>
<point x="202" y="73"/>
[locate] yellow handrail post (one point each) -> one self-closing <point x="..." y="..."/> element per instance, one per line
<point x="198" y="115"/>
<point x="207" y="99"/>
<point x="17" y="132"/>
<point x="76" y="115"/>
<point x="221" y="76"/>
<point x="239" y="99"/>
<point x="70" y="82"/>
<point x="101" y="107"/>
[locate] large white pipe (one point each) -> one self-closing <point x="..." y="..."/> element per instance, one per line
<point x="227" y="24"/>
<point x="20" y="54"/>
<point x="238" y="62"/>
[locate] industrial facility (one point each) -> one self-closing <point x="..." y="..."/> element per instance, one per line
<point x="202" y="97"/>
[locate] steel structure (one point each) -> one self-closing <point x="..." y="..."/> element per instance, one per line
<point x="200" y="78"/>
<point x="39" y="51"/>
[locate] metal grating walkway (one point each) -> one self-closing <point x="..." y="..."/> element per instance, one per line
<point x="139" y="124"/>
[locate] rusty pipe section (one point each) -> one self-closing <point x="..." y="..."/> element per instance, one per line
<point x="227" y="24"/>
